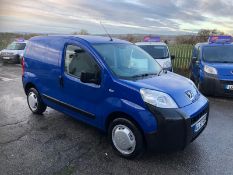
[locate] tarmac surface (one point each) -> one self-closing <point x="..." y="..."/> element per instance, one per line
<point x="57" y="144"/>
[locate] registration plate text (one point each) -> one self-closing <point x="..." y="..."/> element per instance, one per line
<point x="229" y="87"/>
<point x="200" y="123"/>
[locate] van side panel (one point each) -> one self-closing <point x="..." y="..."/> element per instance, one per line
<point x="42" y="63"/>
<point x="43" y="60"/>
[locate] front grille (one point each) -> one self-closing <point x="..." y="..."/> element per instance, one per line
<point x="226" y="82"/>
<point x="195" y="118"/>
<point x="7" y="53"/>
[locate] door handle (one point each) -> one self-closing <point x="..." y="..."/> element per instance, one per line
<point x="61" y="82"/>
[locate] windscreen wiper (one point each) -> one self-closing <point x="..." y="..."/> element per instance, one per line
<point x="227" y="62"/>
<point x="143" y="75"/>
<point x="160" y="72"/>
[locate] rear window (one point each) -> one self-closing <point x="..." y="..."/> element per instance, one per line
<point x="16" y="46"/>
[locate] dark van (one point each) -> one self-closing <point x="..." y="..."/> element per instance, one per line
<point x="117" y="87"/>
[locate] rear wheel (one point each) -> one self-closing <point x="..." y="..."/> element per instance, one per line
<point x="126" y="138"/>
<point x="35" y="102"/>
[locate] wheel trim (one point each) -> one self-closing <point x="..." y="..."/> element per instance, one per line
<point x="123" y="139"/>
<point x="32" y="101"/>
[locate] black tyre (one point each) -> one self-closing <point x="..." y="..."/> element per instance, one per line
<point x="4" y="61"/>
<point x="126" y="138"/>
<point x="191" y="77"/>
<point x="204" y="90"/>
<point x="35" y="102"/>
<point x="17" y="61"/>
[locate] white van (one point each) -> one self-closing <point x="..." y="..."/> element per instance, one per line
<point x="158" y="50"/>
<point x="14" y="52"/>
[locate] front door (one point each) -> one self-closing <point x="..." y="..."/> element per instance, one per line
<point x="81" y="98"/>
<point x="195" y="67"/>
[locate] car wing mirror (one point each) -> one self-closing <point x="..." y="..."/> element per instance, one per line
<point x="195" y="60"/>
<point x="173" y="57"/>
<point x="87" y="77"/>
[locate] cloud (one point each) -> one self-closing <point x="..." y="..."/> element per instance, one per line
<point x="122" y="16"/>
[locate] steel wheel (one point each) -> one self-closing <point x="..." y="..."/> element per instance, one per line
<point x="35" y="102"/>
<point x="123" y="139"/>
<point x="32" y="101"/>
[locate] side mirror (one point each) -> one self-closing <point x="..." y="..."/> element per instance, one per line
<point x="195" y="60"/>
<point x="173" y="57"/>
<point x="87" y="77"/>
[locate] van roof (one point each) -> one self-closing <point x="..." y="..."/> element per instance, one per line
<point x="25" y="41"/>
<point x="211" y="44"/>
<point x="151" y="43"/>
<point x="92" y="39"/>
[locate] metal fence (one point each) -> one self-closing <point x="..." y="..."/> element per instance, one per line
<point x="183" y="53"/>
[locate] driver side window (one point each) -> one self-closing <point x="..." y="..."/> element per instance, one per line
<point x="77" y="60"/>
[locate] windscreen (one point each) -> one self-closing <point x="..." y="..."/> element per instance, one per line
<point x="127" y="60"/>
<point x="16" y="46"/>
<point x="221" y="54"/>
<point x="156" y="51"/>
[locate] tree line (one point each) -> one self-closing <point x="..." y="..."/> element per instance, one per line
<point x="201" y="36"/>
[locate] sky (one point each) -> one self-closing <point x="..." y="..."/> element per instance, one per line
<point x="168" y="17"/>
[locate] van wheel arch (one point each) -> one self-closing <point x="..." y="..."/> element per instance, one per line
<point x="29" y="86"/>
<point x="119" y="120"/>
<point x="116" y="115"/>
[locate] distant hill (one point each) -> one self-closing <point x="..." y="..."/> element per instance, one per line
<point x="7" y="38"/>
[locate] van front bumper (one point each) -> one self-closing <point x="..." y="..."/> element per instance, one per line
<point x="176" y="126"/>
<point x="10" y="58"/>
<point x="212" y="85"/>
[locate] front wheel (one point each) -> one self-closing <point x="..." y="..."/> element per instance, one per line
<point x="191" y="77"/>
<point x="35" y="102"/>
<point x="203" y="90"/>
<point x="126" y="138"/>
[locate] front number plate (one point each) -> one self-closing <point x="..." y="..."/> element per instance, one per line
<point x="229" y="87"/>
<point x="6" y="58"/>
<point x="199" y="124"/>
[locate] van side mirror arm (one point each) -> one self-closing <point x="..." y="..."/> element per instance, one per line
<point x="173" y="57"/>
<point x="195" y="60"/>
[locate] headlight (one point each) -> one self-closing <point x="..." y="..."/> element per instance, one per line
<point x="167" y="64"/>
<point x="157" y="98"/>
<point x="210" y="70"/>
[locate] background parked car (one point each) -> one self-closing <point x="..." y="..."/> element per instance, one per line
<point x="14" y="52"/>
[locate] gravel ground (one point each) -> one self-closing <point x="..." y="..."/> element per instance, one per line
<point x="57" y="144"/>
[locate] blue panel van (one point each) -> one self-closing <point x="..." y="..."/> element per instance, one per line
<point x="212" y="66"/>
<point x="116" y="87"/>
